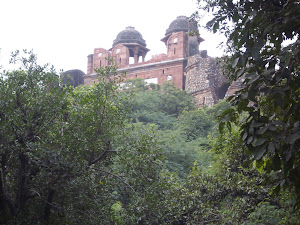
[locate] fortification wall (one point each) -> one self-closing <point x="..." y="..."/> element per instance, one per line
<point x="204" y="80"/>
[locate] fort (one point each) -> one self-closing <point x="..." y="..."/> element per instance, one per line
<point x="184" y="64"/>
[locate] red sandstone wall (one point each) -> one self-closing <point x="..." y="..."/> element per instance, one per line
<point x="172" y="72"/>
<point x="120" y="55"/>
<point x="97" y="59"/>
<point x="176" y="45"/>
<point x="169" y="71"/>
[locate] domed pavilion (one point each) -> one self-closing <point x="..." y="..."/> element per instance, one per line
<point x="133" y="40"/>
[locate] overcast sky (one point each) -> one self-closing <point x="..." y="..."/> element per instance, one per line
<point x="64" y="32"/>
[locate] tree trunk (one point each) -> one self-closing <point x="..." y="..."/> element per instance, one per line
<point x="22" y="182"/>
<point x="48" y="206"/>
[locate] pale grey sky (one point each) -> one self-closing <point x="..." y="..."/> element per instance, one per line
<point x="64" y="32"/>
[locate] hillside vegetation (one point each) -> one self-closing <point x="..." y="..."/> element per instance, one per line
<point x="144" y="155"/>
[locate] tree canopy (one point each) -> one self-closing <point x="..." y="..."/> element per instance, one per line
<point x="263" y="41"/>
<point x="98" y="155"/>
<point x="58" y="147"/>
<point x="145" y="154"/>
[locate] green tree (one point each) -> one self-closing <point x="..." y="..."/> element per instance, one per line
<point x="263" y="40"/>
<point x="144" y="107"/>
<point x="181" y="135"/>
<point x="68" y="157"/>
<point x="195" y="124"/>
<point x="174" y="100"/>
<point x="57" y="145"/>
<point x="155" y="104"/>
<point x="31" y="103"/>
<point x="179" y="153"/>
<point x="232" y="191"/>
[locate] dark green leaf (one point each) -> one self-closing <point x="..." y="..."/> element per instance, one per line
<point x="235" y="16"/>
<point x="235" y="62"/>
<point x="260" y="141"/>
<point x="271" y="147"/>
<point x="210" y="23"/>
<point x="244" y="136"/>
<point x="257" y="125"/>
<point x="216" y="27"/>
<point x="250" y="139"/>
<point x="288" y="156"/>
<point x="292" y="138"/>
<point x="262" y="130"/>
<point x="260" y="152"/>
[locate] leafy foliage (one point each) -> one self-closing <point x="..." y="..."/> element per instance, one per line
<point x="58" y="148"/>
<point x="257" y="33"/>
<point x="232" y="192"/>
<point x="195" y="124"/>
<point x="181" y="135"/>
<point x="80" y="156"/>
<point x="156" y="104"/>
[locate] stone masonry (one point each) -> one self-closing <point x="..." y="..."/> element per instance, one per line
<point x="184" y="65"/>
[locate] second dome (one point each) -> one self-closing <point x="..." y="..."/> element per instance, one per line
<point x="181" y="23"/>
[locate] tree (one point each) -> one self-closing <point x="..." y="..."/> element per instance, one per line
<point x="31" y="103"/>
<point x="232" y="191"/>
<point x="174" y="100"/>
<point x="195" y="124"/>
<point x="263" y="40"/>
<point x="68" y="157"/>
<point x="55" y="141"/>
<point x="155" y="104"/>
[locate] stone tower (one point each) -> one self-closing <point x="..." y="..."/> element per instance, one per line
<point x="203" y="75"/>
<point x="204" y="79"/>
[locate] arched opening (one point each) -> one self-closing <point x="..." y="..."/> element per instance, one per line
<point x="120" y="60"/>
<point x="222" y="91"/>
<point x="174" y="51"/>
<point x="100" y="63"/>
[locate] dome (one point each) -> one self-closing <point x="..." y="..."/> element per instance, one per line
<point x="179" y="24"/>
<point x="129" y="35"/>
<point x="73" y="77"/>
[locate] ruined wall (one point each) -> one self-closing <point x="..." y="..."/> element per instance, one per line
<point x="183" y="65"/>
<point x="199" y="75"/>
<point x="204" y="79"/>
<point x="158" y="73"/>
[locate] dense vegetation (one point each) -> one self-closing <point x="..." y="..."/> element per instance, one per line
<point x="146" y="155"/>
<point x="263" y="39"/>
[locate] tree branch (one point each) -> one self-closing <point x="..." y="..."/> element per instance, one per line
<point x="102" y="155"/>
<point x="116" y="176"/>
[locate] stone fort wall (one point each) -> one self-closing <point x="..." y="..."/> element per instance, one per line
<point x="205" y="80"/>
<point x="184" y="65"/>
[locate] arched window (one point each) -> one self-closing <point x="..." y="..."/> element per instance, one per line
<point x="120" y="60"/>
<point x="163" y="72"/>
<point x="174" y="51"/>
<point x="100" y="62"/>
